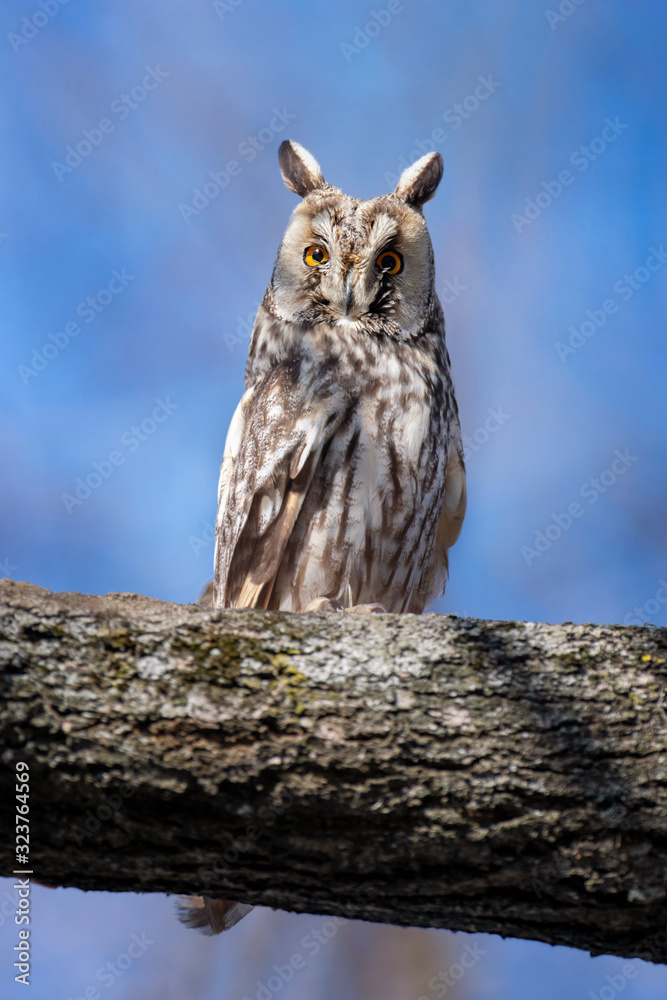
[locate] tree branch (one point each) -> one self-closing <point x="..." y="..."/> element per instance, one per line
<point x="425" y="770"/>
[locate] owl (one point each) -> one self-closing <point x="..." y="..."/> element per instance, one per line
<point x="342" y="485"/>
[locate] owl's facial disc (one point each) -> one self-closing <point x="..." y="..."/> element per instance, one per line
<point x="349" y="262"/>
<point x="356" y="276"/>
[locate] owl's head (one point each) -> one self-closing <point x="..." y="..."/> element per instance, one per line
<point x="365" y="265"/>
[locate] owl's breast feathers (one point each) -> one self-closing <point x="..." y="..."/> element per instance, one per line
<point x="342" y="476"/>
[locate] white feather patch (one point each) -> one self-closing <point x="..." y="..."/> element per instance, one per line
<point x="308" y="160"/>
<point x="410" y="174"/>
<point x="384" y="229"/>
<point x="323" y="228"/>
<point x="266" y="509"/>
<point x="236" y="429"/>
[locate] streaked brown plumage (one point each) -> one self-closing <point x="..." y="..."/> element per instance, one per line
<point x="343" y="475"/>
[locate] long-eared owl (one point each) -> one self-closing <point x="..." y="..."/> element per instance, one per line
<point x="343" y="475"/>
<point x="342" y="484"/>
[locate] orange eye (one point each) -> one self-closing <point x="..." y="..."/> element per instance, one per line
<point x="390" y="262"/>
<point x="315" y="255"/>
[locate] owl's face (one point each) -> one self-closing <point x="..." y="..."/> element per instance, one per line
<point x="363" y="265"/>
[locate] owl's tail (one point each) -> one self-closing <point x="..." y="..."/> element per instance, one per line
<point x="211" y="916"/>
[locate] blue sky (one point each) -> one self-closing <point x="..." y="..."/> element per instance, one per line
<point x="120" y="306"/>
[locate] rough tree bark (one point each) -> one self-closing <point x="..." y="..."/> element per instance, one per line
<point x="482" y="776"/>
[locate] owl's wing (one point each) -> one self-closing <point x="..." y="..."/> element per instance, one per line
<point x="450" y="522"/>
<point x="455" y="499"/>
<point x="273" y="446"/>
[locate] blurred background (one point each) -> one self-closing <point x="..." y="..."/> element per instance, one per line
<point x="140" y="210"/>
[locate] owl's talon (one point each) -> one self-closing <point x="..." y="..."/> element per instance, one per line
<point x="368" y="609"/>
<point x="324" y="604"/>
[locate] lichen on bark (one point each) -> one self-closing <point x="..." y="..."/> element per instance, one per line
<point x="508" y="777"/>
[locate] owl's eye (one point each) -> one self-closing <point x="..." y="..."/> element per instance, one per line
<point x="315" y="255"/>
<point x="390" y="262"/>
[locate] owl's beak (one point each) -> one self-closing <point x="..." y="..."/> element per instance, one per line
<point x="349" y="292"/>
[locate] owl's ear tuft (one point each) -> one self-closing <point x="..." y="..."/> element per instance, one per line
<point x="418" y="183"/>
<point x="301" y="171"/>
